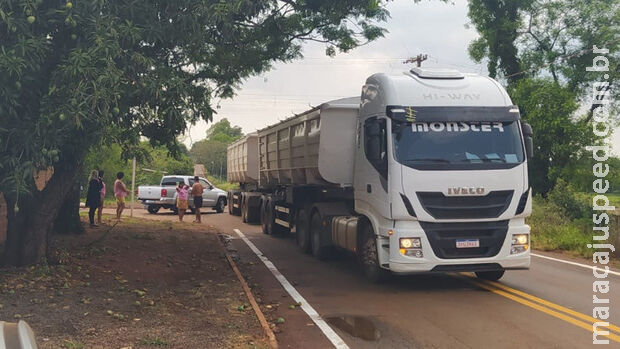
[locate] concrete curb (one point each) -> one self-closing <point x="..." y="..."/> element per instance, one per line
<point x="273" y="343"/>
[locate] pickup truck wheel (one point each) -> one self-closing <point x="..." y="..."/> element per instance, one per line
<point x="303" y="231"/>
<point x="319" y="250"/>
<point x="490" y="275"/>
<point x="221" y="203"/>
<point x="152" y="209"/>
<point x="369" y="257"/>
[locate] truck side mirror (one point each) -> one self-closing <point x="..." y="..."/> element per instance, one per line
<point x="527" y="138"/>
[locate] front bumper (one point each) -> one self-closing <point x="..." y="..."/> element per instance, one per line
<point x="401" y="264"/>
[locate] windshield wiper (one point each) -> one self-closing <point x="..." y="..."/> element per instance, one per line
<point x="429" y="160"/>
<point x="483" y="160"/>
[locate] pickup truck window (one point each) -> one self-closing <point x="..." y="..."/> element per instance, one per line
<point x="171" y="181"/>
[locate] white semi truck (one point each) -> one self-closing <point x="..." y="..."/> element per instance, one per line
<point x="425" y="172"/>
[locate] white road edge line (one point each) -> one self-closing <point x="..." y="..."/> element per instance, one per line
<point x="316" y="318"/>
<point x="575" y="263"/>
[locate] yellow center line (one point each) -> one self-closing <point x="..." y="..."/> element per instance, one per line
<point x="549" y="304"/>
<point x="585" y="325"/>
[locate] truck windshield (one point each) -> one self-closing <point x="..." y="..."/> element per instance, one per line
<point x="457" y="145"/>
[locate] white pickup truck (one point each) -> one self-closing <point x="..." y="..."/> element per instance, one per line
<point x="155" y="198"/>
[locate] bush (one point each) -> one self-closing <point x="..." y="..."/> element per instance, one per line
<point x="573" y="204"/>
<point x="553" y="229"/>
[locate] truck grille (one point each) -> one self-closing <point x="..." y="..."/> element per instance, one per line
<point x="443" y="236"/>
<point x="463" y="207"/>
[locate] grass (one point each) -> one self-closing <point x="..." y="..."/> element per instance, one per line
<point x="553" y="229"/>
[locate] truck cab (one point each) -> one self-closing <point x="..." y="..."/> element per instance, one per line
<point x="441" y="174"/>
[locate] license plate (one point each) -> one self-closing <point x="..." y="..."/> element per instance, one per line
<point x="469" y="243"/>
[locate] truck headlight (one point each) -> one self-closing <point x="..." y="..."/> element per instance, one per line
<point x="520" y="243"/>
<point x="410" y="247"/>
<point x="410" y="243"/>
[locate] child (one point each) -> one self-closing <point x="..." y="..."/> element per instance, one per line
<point x="120" y="192"/>
<point x="182" y="194"/>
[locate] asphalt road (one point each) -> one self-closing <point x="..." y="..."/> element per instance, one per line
<point x="548" y="306"/>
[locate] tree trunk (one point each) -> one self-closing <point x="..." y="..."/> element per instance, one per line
<point x="68" y="220"/>
<point x="30" y="226"/>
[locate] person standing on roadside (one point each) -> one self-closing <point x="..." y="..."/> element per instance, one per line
<point x="182" y="194"/>
<point x="93" y="197"/>
<point x="197" y="190"/>
<point x="100" y="209"/>
<point x="120" y="192"/>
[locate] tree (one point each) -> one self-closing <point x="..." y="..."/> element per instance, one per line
<point x="559" y="139"/>
<point x="78" y="75"/>
<point x="211" y="151"/>
<point x="212" y="154"/>
<point x="541" y="48"/>
<point x="222" y="131"/>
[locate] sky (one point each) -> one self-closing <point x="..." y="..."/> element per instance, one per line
<point x="434" y="28"/>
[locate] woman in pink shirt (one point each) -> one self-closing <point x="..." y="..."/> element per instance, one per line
<point x="120" y="192"/>
<point x="182" y="194"/>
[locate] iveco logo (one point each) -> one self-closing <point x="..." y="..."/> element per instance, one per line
<point x="454" y="191"/>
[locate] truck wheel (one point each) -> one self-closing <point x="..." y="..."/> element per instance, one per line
<point x="303" y="231"/>
<point x="219" y="206"/>
<point x="230" y="211"/>
<point x="319" y="250"/>
<point x="368" y="255"/>
<point x="490" y="275"/>
<point x="244" y="208"/>
<point x="152" y="209"/>
<point x="267" y="216"/>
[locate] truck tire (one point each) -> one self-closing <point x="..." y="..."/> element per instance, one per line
<point x="268" y="216"/>
<point x="263" y="213"/>
<point x="368" y="255"/>
<point x="303" y="231"/>
<point x="219" y="206"/>
<point x="319" y="249"/>
<point x="152" y="209"/>
<point x="244" y="207"/>
<point x="230" y="211"/>
<point x="490" y="275"/>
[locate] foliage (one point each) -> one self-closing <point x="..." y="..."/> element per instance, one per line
<point x="552" y="229"/>
<point x="573" y="204"/>
<point x="221" y="131"/>
<point x="559" y="139"/>
<point x="211" y="152"/>
<point x="71" y="76"/>
<point x="158" y="159"/>
<point x="76" y="76"/>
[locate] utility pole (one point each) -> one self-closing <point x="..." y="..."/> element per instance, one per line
<point x="418" y="59"/>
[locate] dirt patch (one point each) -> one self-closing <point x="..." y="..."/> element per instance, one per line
<point x="143" y="284"/>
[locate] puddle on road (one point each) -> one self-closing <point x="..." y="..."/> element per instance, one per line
<point x="357" y="326"/>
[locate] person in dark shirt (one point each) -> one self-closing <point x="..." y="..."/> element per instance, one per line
<point x="93" y="196"/>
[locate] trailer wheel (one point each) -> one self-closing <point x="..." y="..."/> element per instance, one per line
<point x="490" y="275"/>
<point x="303" y="231"/>
<point x="319" y="250"/>
<point x="152" y="209"/>
<point x="368" y="256"/>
